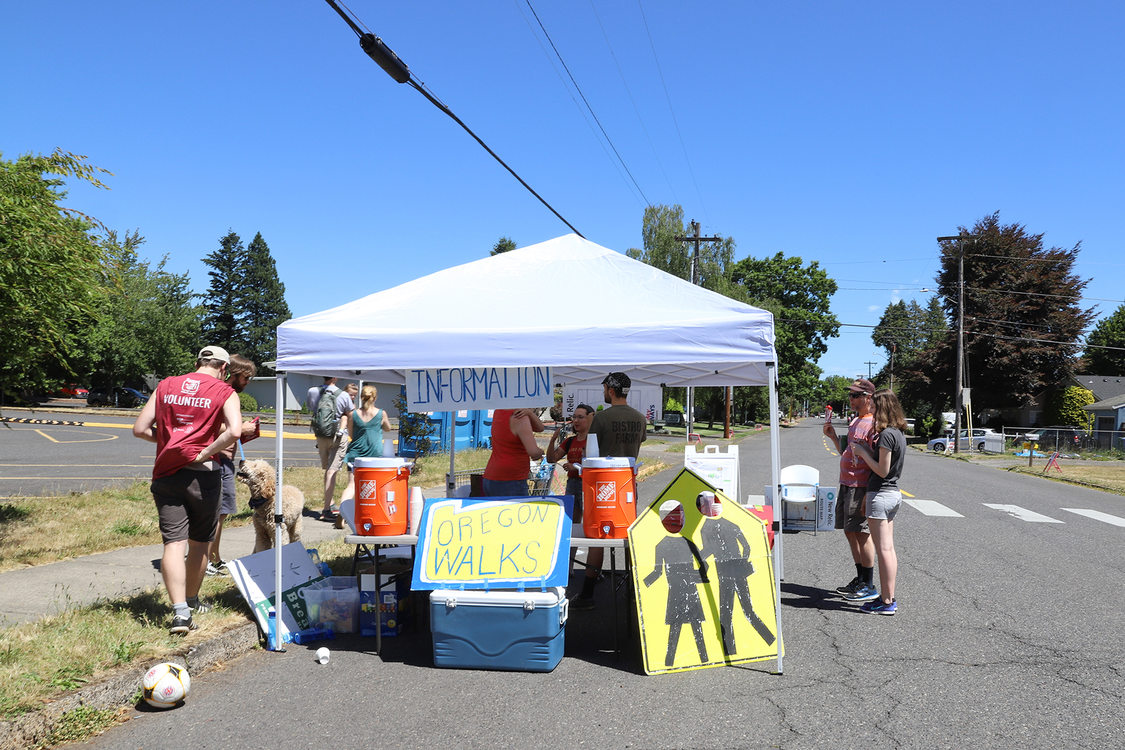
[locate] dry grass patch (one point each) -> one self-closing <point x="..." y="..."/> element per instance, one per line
<point x="42" y="660"/>
<point x="1108" y="476"/>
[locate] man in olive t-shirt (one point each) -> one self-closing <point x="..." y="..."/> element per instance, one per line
<point x="620" y="430"/>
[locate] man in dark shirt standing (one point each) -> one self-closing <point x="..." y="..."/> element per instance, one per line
<point x="620" y="430"/>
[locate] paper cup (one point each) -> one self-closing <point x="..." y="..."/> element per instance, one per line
<point x="322" y="655"/>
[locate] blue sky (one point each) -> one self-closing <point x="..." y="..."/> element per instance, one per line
<point x="852" y="134"/>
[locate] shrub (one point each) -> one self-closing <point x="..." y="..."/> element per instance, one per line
<point x="247" y="402"/>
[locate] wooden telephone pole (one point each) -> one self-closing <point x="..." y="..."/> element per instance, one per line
<point x="697" y="240"/>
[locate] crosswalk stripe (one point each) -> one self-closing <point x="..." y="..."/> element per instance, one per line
<point x="1097" y="515"/>
<point x="931" y="507"/>
<point x="1022" y="513"/>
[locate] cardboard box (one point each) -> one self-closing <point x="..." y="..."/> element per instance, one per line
<point x="380" y="609"/>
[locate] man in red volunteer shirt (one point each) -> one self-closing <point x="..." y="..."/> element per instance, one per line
<point x="191" y="418"/>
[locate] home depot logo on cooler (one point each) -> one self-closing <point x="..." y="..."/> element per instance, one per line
<point x="368" y="488"/>
<point x="605" y="493"/>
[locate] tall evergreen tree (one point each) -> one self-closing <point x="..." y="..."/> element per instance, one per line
<point x="222" y="321"/>
<point x="503" y="245"/>
<point x="1108" y="332"/>
<point x="262" y="302"/>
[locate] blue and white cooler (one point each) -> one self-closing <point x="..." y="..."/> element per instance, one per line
<point x="512" y="630"/>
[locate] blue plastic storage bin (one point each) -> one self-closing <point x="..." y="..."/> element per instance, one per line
<point x="508" y="630"/>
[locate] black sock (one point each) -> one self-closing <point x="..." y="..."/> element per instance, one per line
<point x="859" y="571"/>
<point x="868" y="575"/>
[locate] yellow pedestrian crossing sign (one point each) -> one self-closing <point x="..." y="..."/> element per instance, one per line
<point x="703" y="579"/>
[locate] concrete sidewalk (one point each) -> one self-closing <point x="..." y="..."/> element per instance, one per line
<point x="28" y="594"/>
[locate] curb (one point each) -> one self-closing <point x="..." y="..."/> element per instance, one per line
<point x="118" y="688"/>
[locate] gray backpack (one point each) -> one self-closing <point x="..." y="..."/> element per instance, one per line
<point x="326" y="421"/>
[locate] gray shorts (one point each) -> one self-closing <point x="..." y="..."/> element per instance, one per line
<point x="227" y="504"/>
<point x="188" y="505"/>
<point x="849" y="509"/>
<point x="884" y="504"/>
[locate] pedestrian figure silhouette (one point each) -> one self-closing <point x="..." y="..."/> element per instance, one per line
<point x="724" y="542"/>
<point x="676" y="559"/>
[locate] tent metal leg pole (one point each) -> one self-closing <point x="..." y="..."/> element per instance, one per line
<point x="279" y="454"/>
<point x="451" y="477"/>
<point x="775" y="473"/>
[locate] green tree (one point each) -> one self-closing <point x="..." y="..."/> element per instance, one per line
<point x="503" y="245"/>
<point x="935" y="326"/>
<point x="50" y="268"/>
<point x="1065" y="407"/>
<point x="1022" y="319"/>
<point x="222" y="321"/>
<point x="147" y="322"/>
<point x="799" y="297"/>
<point x="262" y="303"/>
<point x="660" y="227"/>
<point x="1108" y="332"/>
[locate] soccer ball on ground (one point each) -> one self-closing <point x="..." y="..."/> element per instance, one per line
<point x="165" y="685"/>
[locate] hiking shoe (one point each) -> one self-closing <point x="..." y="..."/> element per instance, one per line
<point x="880" y="607"/>
<point x="865" y="593"/>
<point x="850" y="587"/>
<point x="582" y="603"/>
<point x="181" y="625"/>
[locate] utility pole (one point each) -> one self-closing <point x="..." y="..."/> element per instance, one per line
<point x="957" y="392"/>
<point x="695" y="238"/>
<point x="869" y="368"/>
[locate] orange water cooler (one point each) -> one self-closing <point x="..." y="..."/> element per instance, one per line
<point x="382" y="497"/>
<point x="609" y="497"/>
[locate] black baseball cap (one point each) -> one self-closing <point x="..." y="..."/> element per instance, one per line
<point x="618" y="381"/>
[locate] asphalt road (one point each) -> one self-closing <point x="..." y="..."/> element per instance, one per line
<point x="1009" y="635"/>
<point x="70" y="448"/>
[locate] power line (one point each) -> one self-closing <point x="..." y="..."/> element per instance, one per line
<point x="570" y="92"/>
<point x="672" y="109"/>
<point x="386" y="59"/>
<point x="975" y="333"/>
<point x="636" y="109"/>
<point x="586" y="101"/>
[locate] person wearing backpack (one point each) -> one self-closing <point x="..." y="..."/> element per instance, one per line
<point x="330" y="409"/>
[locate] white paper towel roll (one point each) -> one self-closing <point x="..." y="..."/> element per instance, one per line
<point x="415" y="510"/>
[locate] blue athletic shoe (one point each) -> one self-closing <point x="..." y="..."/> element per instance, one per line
<point x="864" y="593"/>
<point x="879" y="607"/>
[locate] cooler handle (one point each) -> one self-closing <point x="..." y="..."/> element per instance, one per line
<point x="564" y="610"/>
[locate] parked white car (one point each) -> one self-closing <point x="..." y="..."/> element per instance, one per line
<point x="942" y="444"/>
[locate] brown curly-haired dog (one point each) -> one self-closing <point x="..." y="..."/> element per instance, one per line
<point x="259" y="476"/>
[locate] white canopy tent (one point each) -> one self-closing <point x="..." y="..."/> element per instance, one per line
<point x="569" y="304"/>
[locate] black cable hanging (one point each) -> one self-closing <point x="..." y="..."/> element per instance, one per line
<point x="386" y="59"/>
